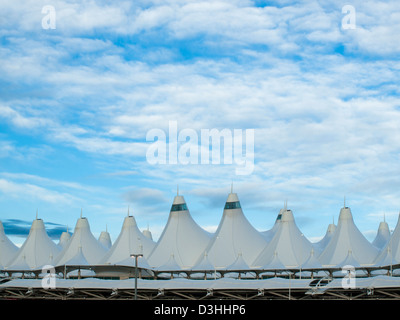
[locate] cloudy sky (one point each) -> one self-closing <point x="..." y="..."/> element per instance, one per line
<point x="78" y="97"/>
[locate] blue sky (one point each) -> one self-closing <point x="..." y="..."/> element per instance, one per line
<point x="77" y="101"/>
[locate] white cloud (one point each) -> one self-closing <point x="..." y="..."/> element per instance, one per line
<point x="34" y="193"/>
<point x="6" y="149"/>
<point x="20" y="120"/>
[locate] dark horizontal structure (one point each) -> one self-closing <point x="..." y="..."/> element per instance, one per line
<point x="373" y="288"/>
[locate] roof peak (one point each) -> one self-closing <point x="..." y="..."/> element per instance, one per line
<point x="232" y="197"/>
<point x="179" y="200"/>
<point x="287" y="215"/>
<point x="345" y="214"/>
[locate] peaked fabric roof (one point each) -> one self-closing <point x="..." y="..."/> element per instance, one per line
<point x="382" y="236"/>
<point x="234" y="235"/>
<point x="170" y="265"/>
<point x="347" y="238"/>
<point x="37" y="250"/>
<point x="78" y="259"/>
<point x="269" y="234"/>
<point x="236" y="245"/>
<point x="204" y="264"/>
<point x="238" y="264"/>
<point x="349" y="260"/>
<point x="82" y="238"/>
<point x="182" y="237"/>
<point x="312" y="262"/>
<point x="147" y="233"/>
<point x="385" y="258"/>
<point x="105" y="239"/>
<point x="64" y="238"/>
<point x="274" y="264"/>
<point x="392" y="246"/>
<point x="320" y="245"/>
<point x="7" y="248"/>
<point x="288" y="242"/>
<point x="130" y="240"/>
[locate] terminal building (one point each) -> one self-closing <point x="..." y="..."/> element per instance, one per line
<point x="188" y="261"/>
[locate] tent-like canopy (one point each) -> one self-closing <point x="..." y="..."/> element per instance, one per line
<point x="392" y="247"/>
<point x="385" y="258"/>
<point x="182" y="237"/>
<point x="274" y="264"/>
<point x="238" y="264"/>
<point x="204" y="264"/>
<point x="147" y="233"/>
<point x="234" y="235"/>
<point x="312" y="267"/>
<point x="37" y="250"/>
<point x="347" y="238"/>
<point x="382" y="236"/>
<point x="170" y="265"/>
<point x="7" y="248"/>
<point x="273" y="267"/>
<point x="130" y="241"/>
<point x="312" y="262"/>
<point x="288" y="242"/>
<point x="320" y="245"/>
<point x="184" y="248"/>
<point x="64" y="238"/>
<point x="269" y="234"/>
<point x="105" y="239"/>
<point x="83" y="238"/>
<point x="78" y="259"/>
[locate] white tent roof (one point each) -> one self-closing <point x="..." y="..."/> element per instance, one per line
<point x="347" y="237"/>
<point x="350" y="260"/>
<point x="238" y="264"/>
<point x="64" y="238"/>
<point x="21" y="265"/>
<point x="382" y="236"/>
<point x="182" y="237"/>
<point x="170" y="265"/>
<point x="105" y="239"/>
<point x="274" y="264"/>
<point x="234" y="235"/>
<point x="392" y="246"/>
<point x="7" y="248"/>
<point x="37" y="250"/>
<point x="385" y="258"/>
<point x="269" y="234"/>
<point x="204" y="264"/>
<point x="147" y="233"/>
<point x="291" y="245"/>
<point x="320" y="245"/>
<point x="78" y="259"/>
<point x="130" y="240"/>
<point x="312" y="262"/>
<point x="82" y="238"/>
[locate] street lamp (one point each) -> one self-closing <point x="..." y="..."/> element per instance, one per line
<point x="136" y="256"/>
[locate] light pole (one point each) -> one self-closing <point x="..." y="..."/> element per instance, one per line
<point x="136" y="256"/>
